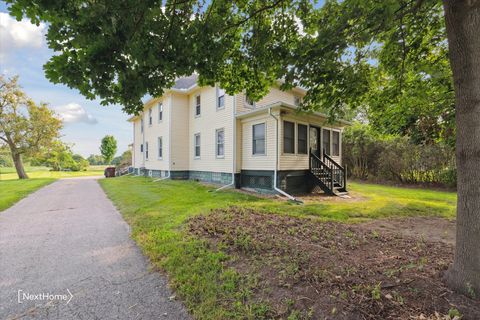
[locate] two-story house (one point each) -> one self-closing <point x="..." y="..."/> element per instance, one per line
<point x="201" y="133"/>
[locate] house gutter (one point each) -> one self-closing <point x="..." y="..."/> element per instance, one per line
<point x="290" y="197"/>
<point x="234" y="145"/>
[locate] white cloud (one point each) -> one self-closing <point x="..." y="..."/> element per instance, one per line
<point x="75" y="113"/>
<point x="19" y="34"/>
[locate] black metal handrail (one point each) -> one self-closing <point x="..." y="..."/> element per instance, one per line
<point x="322" y="171"/>
<point x="339" y="172"/>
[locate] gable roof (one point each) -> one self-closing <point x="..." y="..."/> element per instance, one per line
<point x="185" y="83"/>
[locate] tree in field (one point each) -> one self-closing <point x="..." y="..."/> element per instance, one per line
<point x="108" y="148"/>
<point x="415" y="73"/>
<point x="25" y="127"/>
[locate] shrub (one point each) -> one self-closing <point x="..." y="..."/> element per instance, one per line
<point x="395" y="158"/>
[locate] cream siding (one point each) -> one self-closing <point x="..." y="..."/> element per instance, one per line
<point x="258" y="162"/>
<point x="179" y="125"/>
<point x="137" y="142"/>
<point x="180" y="122"/>
<point x="275" y="95"/>
<point x="155" y="130"/>
<point x="210" y="120"/>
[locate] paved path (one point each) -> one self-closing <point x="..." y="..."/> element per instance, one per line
<point x="68" y="235"/>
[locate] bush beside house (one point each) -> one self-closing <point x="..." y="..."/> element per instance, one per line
<point x="372" y="156"/>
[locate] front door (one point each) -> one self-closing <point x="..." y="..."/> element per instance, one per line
<point x="315" y="141"/>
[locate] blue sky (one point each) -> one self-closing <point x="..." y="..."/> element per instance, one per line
<point x="23" y="51"/>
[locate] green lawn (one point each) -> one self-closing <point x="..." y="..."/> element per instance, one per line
<point x="157" y="212"/>
<point x="13" y="190"/>
<point x="44" y="172"/>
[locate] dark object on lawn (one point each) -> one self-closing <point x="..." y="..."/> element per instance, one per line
<point x="109" y="172"/>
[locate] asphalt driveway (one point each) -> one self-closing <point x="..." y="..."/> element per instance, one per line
<point x="65" y="253"/>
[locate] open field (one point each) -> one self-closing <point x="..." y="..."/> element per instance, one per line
<point x="201" y="264"/>
<point x="9" y="173"/>
<point x="12" y="191"/>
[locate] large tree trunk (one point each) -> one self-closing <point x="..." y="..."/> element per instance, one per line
<point x="463" y="30"/>
<point x="17" y="159"/>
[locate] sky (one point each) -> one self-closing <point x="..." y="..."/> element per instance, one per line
<point x="23" y="51"/>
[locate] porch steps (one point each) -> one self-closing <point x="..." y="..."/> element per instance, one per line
<point x="328" y="175"/>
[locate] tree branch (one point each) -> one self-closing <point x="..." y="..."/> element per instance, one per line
<point x="256" y="12"/>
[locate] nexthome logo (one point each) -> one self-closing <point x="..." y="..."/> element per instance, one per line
<point x="44" y="296"/>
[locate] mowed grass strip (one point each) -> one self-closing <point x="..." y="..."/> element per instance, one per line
<point x="158" y="212"/>
<point x="12" y="191"/>
<point x="9" y="173"/>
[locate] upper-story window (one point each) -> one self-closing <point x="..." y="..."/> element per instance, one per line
<point x="160" y="111"/>
<point x="141" y="125"/>
<point x="150" y="117"/>
<point x="249" y="102"/>
<point x="146" y="150"/>
<point x="220" y="98"/>
<point x="220" y="142"/>
<point x="198" y="106"/>
<point x="258" y="138"/>
<point x="288" y="137"/>
<point x="297" y="100"/>
<point x="141" y="147"/>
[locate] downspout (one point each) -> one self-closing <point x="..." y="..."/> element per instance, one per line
<point x="169" y="141"/>
<point x="234" y="146"/>
<point x="292" y="198"/>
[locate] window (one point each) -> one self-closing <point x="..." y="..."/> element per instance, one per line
<point x="297" y="100"/>
<point x="326" y="141"/>
<point x="249" y="102"/>
<point x="197" y="145"/>
<point x="335" y="143"/>
<point x="150" y="116"/>
<point x="160" y="112"/>
<point x="197" y="106"/>
<point x="160" y="148"/>
<point x="302" y="145"/>
<point x="146" y="150"/>
<point x="220" y="98"/>
<point x="141" y="125"/>
<point x="220" y="142"/>
<point x="288" y="137"/>
<point x="141" y="147"/>
<point x="259" y="138"/>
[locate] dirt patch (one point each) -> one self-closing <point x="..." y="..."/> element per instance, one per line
<point x="305" y="269"/>
<point x="322" y="197"/>
<point x="428" y="228"/>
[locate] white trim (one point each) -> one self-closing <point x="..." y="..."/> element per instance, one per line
<point x="158" y="112"/>
<point x="159" y="139"/>
<point x="264" y="139"/>
<point x="195" y="146"/>
<point x="195" y="105"/>
<point x="216" y="143"/>
<point x="217" y="96"/>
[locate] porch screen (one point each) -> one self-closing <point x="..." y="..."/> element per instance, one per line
<point x="335" y="143"/>
<point x="302" y="139"/>
<point x="326" y="141"/>
<point x="288" y="137"/>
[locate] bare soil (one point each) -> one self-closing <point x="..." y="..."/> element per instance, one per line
<point x="306" y="269"/>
